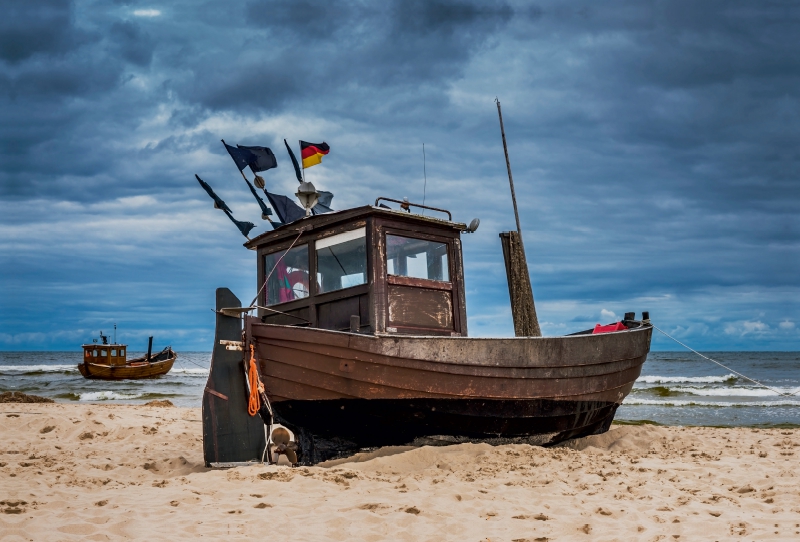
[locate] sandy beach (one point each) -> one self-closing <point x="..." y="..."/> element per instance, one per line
<point x="100" y="472"/>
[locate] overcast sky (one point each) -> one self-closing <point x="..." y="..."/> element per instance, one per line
<point x="654" y="148"/>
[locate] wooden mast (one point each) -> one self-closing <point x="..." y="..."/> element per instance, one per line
<point x="523" y="310"/>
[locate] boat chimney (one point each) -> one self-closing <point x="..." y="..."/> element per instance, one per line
<point x="149" y="347"/>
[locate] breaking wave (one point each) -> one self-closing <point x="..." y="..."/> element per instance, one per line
<point x="34" y="369"/>
<point x="189" y="371"/>
<point x="686" y="379"/>
<point x="731" y="392"/>
<point x="717" y="404"/>
<point x="108" y="396"/>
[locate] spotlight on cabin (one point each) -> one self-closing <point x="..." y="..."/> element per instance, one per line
<point x="473" y="225"/>
<point x="308" y="196"/>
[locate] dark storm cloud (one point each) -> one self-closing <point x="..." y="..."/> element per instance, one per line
<point x="135" y="45"/>
<point x="37" y="28"/>
<point x="654" y="147"/>
<point x="303" y="50"/>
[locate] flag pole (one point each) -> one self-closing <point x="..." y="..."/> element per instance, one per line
<point x="510" y="177"/>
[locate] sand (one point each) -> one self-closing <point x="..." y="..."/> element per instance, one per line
<point x="100" y="472"/>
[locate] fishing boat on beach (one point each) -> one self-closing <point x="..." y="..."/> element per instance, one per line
<point x="358" y="338"/>
<point x="106" y="361"/>
<point x="361" y="340"/>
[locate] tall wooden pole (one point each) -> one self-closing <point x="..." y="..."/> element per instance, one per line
<point x="510" y="177"/>
<point x="523" y="309"/>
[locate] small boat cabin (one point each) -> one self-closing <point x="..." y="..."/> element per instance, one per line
<point x="105" y="354"/>
<point x="370" y="269"/>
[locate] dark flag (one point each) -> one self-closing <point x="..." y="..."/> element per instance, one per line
<point x="285" y="208"/>
<point x="324" y="203"/>
<point x="265" y="211"/>
<point x="260" y="159"/>
<point x="244" y="227"/>
<point x="218" y="203"/>
<point x="312" y="153"/>
<point x="294" y="162"/>
<point x="241" y="157"/>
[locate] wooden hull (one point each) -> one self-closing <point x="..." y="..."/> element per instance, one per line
<point x="342" y="391"/>
<point x="159" y="364"/>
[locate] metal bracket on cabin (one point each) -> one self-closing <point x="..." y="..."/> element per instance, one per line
<point x="232" y="345"/>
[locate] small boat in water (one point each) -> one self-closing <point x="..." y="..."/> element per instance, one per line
<point x="108" y="361"/>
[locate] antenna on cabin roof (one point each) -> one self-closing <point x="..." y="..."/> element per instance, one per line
<point x="425" y="175"/>
<point x="115" y="333"/>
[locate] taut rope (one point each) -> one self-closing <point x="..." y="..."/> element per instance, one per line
<point x="725" y="366"/>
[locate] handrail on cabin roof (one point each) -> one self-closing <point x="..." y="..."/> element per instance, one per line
<point x="405" y="204"/>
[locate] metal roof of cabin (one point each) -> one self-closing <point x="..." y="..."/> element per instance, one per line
<point x="318" y="222"/>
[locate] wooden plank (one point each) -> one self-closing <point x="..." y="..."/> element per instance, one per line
<point x="459" y="297"/>
<point x="336" y="314"/>
<point x="230" y="434"/>
<point x="419" y="283"/>
<point x="379" y="292"/>
<point x="420" y="308"/>
<point x="523" y="310"/>
<point x="552" y="352"/>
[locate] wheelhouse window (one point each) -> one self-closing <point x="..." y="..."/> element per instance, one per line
<point x="342" y="260"/>
<point x="289" y="280"/>
<point x="417" y="258"/>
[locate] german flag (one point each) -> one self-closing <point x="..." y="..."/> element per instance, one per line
<point x="312" y="153"/>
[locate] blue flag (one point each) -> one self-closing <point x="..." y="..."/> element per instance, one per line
<point x="285" y="208"/>
<point x="324" y="203"/>
<point x="260" y="158"/>
<point x="240" y="157"/>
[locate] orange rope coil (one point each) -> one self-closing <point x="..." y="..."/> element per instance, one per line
<point x="254" y="402"/>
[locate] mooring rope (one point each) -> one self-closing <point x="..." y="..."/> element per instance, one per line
<point x="725" y="366"/>
<point x="256" y="387"/>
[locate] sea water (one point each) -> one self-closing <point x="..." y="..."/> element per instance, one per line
<point x="681" y="388"/>
<point x="675" y="388"/>
<point x="56" y="375"/>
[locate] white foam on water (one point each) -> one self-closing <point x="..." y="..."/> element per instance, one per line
<point x="107" y="396"/>
<point x="652" y="379"/>
<point x="681" y="403"/>
<point x="737" y="391"/>
<point x="33" y="368"/>
<point x="189" y="371"/>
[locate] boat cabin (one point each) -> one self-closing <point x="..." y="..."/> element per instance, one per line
<point x="105" y="354"/>
<point x="370" y="269"/>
